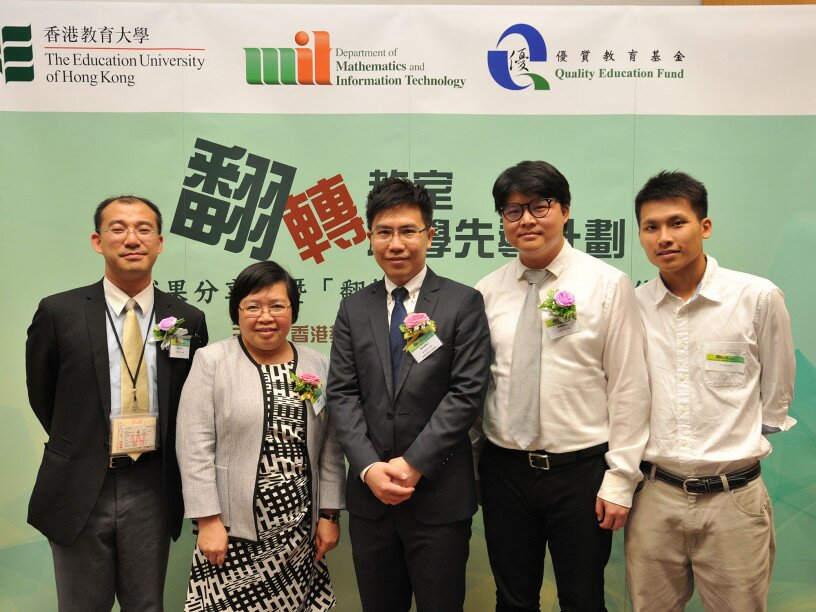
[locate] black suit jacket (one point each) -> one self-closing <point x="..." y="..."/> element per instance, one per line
<point x="68" y="379"/>
<point x="426" y="418"/>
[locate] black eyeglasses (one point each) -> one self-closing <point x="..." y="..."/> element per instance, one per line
<point x="538" y="208"/>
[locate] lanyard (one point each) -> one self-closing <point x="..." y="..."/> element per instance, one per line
<point x="133" y="376"/>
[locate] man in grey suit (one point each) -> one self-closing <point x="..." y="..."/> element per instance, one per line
<point x="403" y="415"/>
<point x="110" y="504"/>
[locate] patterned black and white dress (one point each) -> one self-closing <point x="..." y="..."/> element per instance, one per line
<point x="278" y="571"/>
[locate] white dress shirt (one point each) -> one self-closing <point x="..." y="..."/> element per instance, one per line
<point x="412" y="286"/>
<point x="707" y="420"/>
<point x="116" y="300"/>
<point x="594" y="387"/>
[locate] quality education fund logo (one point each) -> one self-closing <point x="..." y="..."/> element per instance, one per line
<point x="510" y="62"/>
<point x="303" y="65"/>
<point x="16" y="55"/>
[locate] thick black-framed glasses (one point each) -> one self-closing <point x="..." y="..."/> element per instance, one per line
<point x="538" y="207"/>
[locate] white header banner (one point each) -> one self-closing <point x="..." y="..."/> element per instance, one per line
<point x="520" y="60"/>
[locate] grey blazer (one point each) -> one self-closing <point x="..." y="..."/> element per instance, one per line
<point x="220" y="432"/>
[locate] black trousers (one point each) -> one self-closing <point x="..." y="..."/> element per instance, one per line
<point x="525" y="511"/>
<point x="396" y="556"/>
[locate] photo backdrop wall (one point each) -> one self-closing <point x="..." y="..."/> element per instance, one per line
<point x="259" y="130"/>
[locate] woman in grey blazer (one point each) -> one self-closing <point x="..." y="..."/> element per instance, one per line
<point x="261" y="468"/>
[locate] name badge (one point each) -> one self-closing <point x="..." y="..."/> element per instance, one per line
<point x="133" y="435"/>
<point x="424" y="346"/>
<point x="725" y="362"/>
<point x="179" y="348"/>
<point x="557" y="328"/>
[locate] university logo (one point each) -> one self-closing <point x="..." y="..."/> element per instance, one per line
<point x="16" y="56"/>
<point x="299" y="66"/>
<point x="512" y="61"/>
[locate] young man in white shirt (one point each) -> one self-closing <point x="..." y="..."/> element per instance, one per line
<point x="721" y="366"/>
<point x="567" y="404"/>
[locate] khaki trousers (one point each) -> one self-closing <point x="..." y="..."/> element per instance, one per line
<point x="722" y="542"/>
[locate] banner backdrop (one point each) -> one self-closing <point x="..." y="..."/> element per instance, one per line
<point x="259" y="130"/>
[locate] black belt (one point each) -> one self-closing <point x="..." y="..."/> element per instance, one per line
<point x="124" y="461"/>
<point x="543" y="460"/>
<point x="704" y="484"/>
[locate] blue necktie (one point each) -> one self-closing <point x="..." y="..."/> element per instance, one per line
<point x="398" y="315"/>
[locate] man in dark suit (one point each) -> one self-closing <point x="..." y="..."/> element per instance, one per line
<point x="109" y="515"/>
<point x="403" y="416"/>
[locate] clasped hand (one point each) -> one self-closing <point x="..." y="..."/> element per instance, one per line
<point x="393" y="482"/>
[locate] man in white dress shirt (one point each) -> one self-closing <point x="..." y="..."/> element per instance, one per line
<point x="567" y="405"/>
<point x="721" y="366"/>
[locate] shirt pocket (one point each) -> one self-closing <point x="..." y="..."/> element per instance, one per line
<point x="725" y="364"/>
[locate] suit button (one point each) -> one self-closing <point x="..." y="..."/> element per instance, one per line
<point x="389" y="416"/>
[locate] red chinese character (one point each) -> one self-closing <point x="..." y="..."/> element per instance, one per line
<point x="305" y="228"/>
<point x="337" y="212"/>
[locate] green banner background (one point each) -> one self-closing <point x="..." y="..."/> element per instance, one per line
<point x="55" y="167"/>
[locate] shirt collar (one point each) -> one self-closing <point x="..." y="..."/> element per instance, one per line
<point x="708" y="286"/>
<point x="706" y="289"/>
<point x="556" y="267"/>
<point x="118" y="298"/>
<point x="413" y="286"/>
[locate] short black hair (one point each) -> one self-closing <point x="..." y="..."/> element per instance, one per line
<point x="394" y="192"/>
<point x="537" y="178"/>
<point x="667" y="185"/>
<point x="257" y="276"/>
<point x="126" y="199"/>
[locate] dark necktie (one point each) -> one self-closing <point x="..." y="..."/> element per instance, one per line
<point x="398" y="315"/>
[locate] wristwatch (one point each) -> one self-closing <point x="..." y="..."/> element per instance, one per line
<point x="334" y="518"/>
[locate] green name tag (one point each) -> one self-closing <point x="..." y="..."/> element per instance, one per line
<point x="723" y="362"/>
<point x="725" y="358"/>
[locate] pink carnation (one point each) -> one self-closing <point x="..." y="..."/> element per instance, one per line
<point x="310" y="379"/>
<point x="166" y="324"/>
<point x="564" y="298"/>
<point x="416" y="319"/>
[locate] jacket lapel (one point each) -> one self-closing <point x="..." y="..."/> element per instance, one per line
<point x="162" y="310"/>
<point x="378" y="317"/>
<point x="426" y="302"/>
<point x="96" y="322"/>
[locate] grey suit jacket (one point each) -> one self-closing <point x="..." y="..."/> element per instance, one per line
<point x="427" y="416"/>
<point x="220" y="433"/>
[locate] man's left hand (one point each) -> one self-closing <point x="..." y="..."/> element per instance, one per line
<point x="610" y="516"/>
<point x="410" y="476"/>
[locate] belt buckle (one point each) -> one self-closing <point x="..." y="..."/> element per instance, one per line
<point x="546" y="459"/>
<point x="115" y="457"/>
<point x="693" y="481"/>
